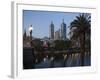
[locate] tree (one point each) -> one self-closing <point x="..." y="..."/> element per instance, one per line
<point x="79" y="28"/>
<point x="62" y="44"/>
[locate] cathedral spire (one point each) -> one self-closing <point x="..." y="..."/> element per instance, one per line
<point x="25" y="34"/>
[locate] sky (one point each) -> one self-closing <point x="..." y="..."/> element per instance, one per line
<point x="41" y="20"/>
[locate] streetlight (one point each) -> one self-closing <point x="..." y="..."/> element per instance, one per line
<point x="30" y="32"/>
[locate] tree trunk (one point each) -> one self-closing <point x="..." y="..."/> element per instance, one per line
<point x="82" y="46"/>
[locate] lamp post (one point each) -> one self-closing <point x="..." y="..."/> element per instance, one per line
<point x="30" y="33"/>
<point x="28" y="56"/>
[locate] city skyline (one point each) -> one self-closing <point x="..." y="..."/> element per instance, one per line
<point x="41" y="20"/>
<point x="59" y="34"/>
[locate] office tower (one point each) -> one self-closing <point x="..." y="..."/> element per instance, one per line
<point x="57" y="35"/>
<point x="63" y="31"/>
<point x="52" y="31"/>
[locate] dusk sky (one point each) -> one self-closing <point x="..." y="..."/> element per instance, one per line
<point x="41" y="20"/>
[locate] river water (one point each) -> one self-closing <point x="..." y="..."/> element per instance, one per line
<point x="70" y="61"/>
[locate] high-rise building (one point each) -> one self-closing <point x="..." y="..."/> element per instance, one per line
<point x="63" y="31"/>
<point x="57" y="35"/>
<point x="51" y="30"/>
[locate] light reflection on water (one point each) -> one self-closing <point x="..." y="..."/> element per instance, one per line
<point x="68" y="61"/>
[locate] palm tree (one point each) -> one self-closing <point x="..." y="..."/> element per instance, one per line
<point x="79" y="28"/>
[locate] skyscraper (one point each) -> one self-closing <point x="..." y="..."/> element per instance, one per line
<point x="51" y="30"/>
<point x="63" y="31"/>
<point x="57" y="35"/>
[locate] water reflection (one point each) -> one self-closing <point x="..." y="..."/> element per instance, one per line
<point x="62" y="60"/>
